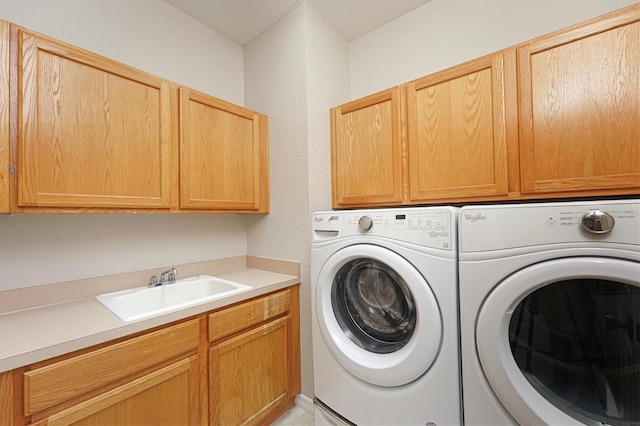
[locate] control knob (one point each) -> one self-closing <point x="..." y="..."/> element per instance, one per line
<point x="597" y="222"/>
<point x="365" y="223"/>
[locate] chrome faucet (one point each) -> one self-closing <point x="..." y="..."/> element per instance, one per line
<point x="171" y="278"/>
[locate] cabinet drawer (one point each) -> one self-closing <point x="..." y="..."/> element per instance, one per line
<point x="55" y="383"/>
<point x="228" y="321"/>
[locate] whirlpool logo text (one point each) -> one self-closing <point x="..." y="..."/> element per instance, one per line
<point x="475" y="217"/>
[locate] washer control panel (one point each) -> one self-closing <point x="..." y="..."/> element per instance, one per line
<point x="426" y="226"/>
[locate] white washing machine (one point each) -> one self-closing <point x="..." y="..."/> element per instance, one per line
<point x="385" y="327"/>
<point x="550" y="313"/>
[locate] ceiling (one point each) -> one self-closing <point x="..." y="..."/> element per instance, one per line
<point x="243" y="20"/>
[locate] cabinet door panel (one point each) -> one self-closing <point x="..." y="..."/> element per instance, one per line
<point x="165" y="396"/>
<point x="367" y="145"/>
<point x="250" y="374"/>
<point x="457" y="132"/>
<point x="580" y="109"/>
<point x="222" y="154"/>
<point x="92" y="132"/>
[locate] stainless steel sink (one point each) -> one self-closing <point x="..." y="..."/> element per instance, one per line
<point x="142" y="302"/>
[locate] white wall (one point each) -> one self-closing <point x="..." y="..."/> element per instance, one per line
<point x="150" y="35"/>
<point x="443" y="33"/>
<point x="295" y="72"/>
<point x="328" y="86"/>
<point x="153" y="36"/>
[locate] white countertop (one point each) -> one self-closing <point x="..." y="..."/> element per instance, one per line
<point x="36" y="334"/>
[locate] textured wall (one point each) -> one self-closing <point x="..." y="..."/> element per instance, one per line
<point x="276" y="84"/>
<point x="295" y="72"/>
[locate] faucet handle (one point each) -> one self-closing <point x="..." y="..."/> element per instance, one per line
<point x="153" y="281"/>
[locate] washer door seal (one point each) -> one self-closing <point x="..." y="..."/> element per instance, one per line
<point x="404" y="334"/>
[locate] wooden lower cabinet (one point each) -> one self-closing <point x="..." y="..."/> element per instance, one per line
<point x="236" y="365"/>
<point x="254" y="374"/>
<point x="150" y="379"/>
<point x="166" y="396"/>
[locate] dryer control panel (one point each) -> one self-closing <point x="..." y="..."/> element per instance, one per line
<point x="425" y="226"/>
<point x="496" y="227"/>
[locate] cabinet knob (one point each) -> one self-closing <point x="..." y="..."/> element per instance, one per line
<point x="597" y="222"/>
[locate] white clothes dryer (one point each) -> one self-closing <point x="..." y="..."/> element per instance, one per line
<point x="550" y="313"/>
<point x="384" y="322"/>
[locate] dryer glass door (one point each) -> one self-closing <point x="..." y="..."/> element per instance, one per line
<point x="559" y="342"/>
<point x="577" y="342"/>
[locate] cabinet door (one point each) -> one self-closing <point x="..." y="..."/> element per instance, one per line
<point x="249" y="374"/>
<point x="4" y="117"/>
<point x="92" y="132"/>
<point x="367" y="145"/>
<point x="457" y="132"/>
<point x="254" y="363"/>
<point x="167" y="396"/>
<point x="224" y="155"/>
<point x="7" y="399"/>
<point x="580" y="108"/>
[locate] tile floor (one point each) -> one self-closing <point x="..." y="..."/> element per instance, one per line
<point x="296" y="416"/>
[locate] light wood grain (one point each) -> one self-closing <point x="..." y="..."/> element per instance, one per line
<point x="161" y="397"/>
<point x="457" y="132"/>
<point x="6" y="398"/>
<point x="367" y="150"/>
<point x="254" y="375"/>
<point x="52" y="384"/>
<point x="223" y="155"/>
<point x="4" y="116"/>
<point x="92" y="132"/>
<point x="580" y="108"/>
<point x="231" y="320"/>
<point x="252" y="370"/>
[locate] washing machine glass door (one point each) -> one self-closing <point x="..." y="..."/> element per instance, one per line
<point x="559" y="342"/>
<point x="378" y="315"/>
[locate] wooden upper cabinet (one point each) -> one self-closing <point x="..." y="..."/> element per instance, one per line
<point x="580" y="108"/>
<point x="91" y="132"/>
<point x="457" y="136"/>
<point x="367" y="146"/>
<point x="4" y="116"/>
<point x="223" y="155"/>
